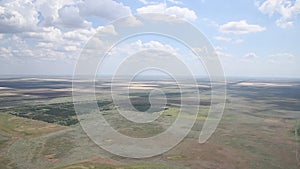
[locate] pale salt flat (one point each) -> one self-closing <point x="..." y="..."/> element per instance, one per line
<point x="265" y="84"/>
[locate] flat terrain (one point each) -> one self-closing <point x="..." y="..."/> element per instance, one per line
<point x="260" y="126"/>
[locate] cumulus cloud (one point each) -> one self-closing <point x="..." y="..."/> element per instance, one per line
<point x="222" y="53"/>
<point x="158" y="8"/>
<point x="250" y="55"/>
<point x="57" y="30"/>
<point x="282" y="55"/>
<point x="130" y="49"/>
<point x="50" y="43"/>
<point x="287" y="10"/>
<point x="50" y="34"/>
<point x="106" y="9"/>
<point x="5" y="53"/>
<point x="17" y="16"/>
<point x="240" y="27"/>
<point x="284" y="24"/>
<point x="26" y="15"/>
<point x="228" y="39"/>
<point x="49" y="11"/>
<point x="53" y="30"/>
<point x="140" y="52"/>
<point x="69" y="16"/>
<point x="72" y="13"/>
<point x="222" y="38"/>
<point x="179" y="12"/>
<point x="16" y="48"/>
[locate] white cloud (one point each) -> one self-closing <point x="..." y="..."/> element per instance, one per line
<point x="130" y="49"/>
<point x="49" y="10"/>
<point x="239" y="41"/>
<point x="145" y="53"/>
<point x="51" y="43"/>
<point x="27" y="15"/>
<point x="49" y="34"/>
<point x="106" y="9"/>
<point x="129" y="21"/>
<point x="222" y="38"/>
<point x="282" y="55"/>
<point x="182" y="12"/>
<point x="69" y="16"/>
<point x="159" y="8"/>
<point x="240" y="27"/>
<point x="5" y="53"/>
<point x="281" y="58"/>
<point x="17" y="16"/>
<point x="287" y="10"/>
<point x="53" y="30"/>
<point x="106" y="30"/>
<point x="179" y="12"/>
<point x="145" y="2"/>
<point x="222" y="53"/>
<point x="15" y="47"/>
<point x="73" y="13"/>
<point x="250" y="55"/>
<point x="284" y="24"/>
<point x="228" y="39"/>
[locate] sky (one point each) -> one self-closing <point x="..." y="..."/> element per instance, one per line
<point x="253" y="38"/>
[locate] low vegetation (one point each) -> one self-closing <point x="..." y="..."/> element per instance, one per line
<point x="88" y="165"/>
<point x="59" y="113"/>
<point x="22" y="127"/>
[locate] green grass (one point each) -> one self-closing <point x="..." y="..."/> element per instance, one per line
<point x="176" y="157"/>
<point x="295" y="132"/>
<point x="172" y="112"/>
<point x="23" y="127"/>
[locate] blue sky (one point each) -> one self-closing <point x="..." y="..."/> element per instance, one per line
<point x="251" y="37"/>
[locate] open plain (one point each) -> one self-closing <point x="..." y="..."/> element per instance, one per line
<point x="260" y="126"/>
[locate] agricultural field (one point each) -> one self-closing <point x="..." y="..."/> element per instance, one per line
<point x="260" y="126"/>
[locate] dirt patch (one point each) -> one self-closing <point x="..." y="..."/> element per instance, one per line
<point x="208" y="155"/>
<point x="51" y="158"/>
<point x="105" y="161"/>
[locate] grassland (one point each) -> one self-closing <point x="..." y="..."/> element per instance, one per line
<point x="259" y="128"/>
<point x="13" y="128"/>
<point x="91" y="165"/>
<point x="24" y="127"/>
